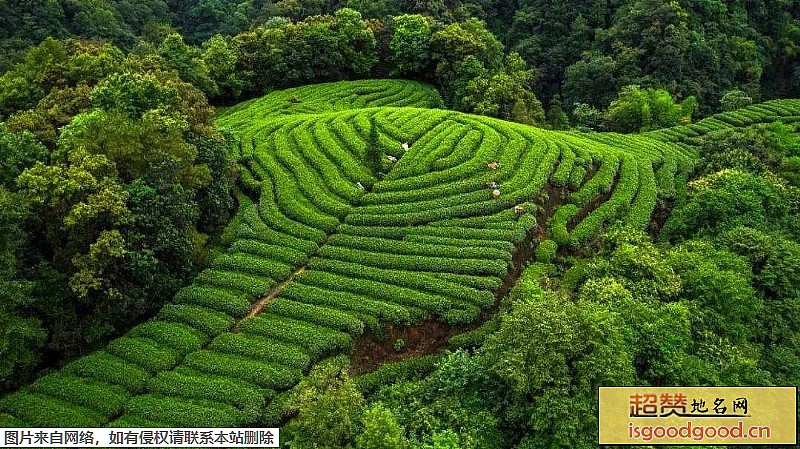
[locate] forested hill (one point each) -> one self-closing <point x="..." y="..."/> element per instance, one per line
<point x="580" y="52"/>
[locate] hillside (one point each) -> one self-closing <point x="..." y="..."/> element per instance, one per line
<point x="334" y="241"/>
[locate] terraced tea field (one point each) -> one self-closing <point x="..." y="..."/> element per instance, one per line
<point x="341" y="229"/>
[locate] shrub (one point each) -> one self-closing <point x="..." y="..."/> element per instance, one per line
<point x="283" y="254"/>
<point x="266" y="375"/>
<point x="7" y="421"/>
<point x="396" y="372"/>
<point x="378" y="290"/>
<point x="285" y="232"/>
<point x="261" y="348"/>
<point x="144" y="352"/>
<point x="205" y="320"/>
<point x="352" y="302"/>
<point x="254" y="265"/>
<point x="218" y="299"/>
<point x="180" y="337"/>
<point x="247" y="398"/>
<point x="248" y="283"/>
<point x="474" y="338"/>
<point x="322" y="316"/>
<point x="107" y="400"/>
<point x="107" y="368"/>
<point x="414" y="280"/>
<point x="130" y="421"/>
<point x="546" y="251"/>
<point x="317" y="340"/>
<point x="184" y="412"/>
<point x="417" y="263"/>
<point x="43" y="411"/>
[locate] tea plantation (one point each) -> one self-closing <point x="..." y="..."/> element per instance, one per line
<point x="360" y="204"/>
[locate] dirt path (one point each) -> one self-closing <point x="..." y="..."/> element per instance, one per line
<point x="259" y="305"/>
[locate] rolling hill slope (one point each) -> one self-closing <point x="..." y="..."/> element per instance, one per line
<point x="340" y="229"/>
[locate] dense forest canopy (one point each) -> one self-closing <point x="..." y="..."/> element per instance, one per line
<point x="578" y="52"/>
<point x="146" y="147"/>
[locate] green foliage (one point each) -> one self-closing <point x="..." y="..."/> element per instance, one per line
<point x="381" y="430"/>
<point x="254" y="285"/>
<point x="728" y="199"/>
<point x="391" y="373"/>
<point x="261" y="348"/>
<point x="774" y="260"/>
<point x="7" y="420"/>
<point x="214" y="298"/>
<point x="176" y="411"/>
<point x="505" y="94"/>
<point x="720" y="283"/>
<point x="546" y="251"/>
<point x="316" y="339"/>
<point x="107" y="400"/>
<point x="263" y="374"/>
<point x="735" y="99"/>
<point x="180" y="337"/>
<point x="410" y="45"/>
<point x="637" y="110"/>
<point x="144" y="352"/>
<point x="104" y="367"/>
<point x="124" y="210"/>
<point x="556" y="118"/>
<point x="248" y="399"/>
<point x="587" y="117"/>
<point x="19" y="151"/>
<point x="115" y="189"/>
<point x="322" y="316"/>
<point x="207" y="321"/>
<point x="21" y="337"/>
<point x="43" y="411"/>
<point x="246" y="263"/>
<point x="756" y="149"/>
<point x="327" y="404"/>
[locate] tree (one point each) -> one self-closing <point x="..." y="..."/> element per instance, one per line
<point x="410" y="45"/>
<point x="593" y="80"/>
<point x="729" y="199"/>
<point x="637" y="110"/>
<point x="552" y="354"/>
<point x="356" y="43"/>
<point x="55" y="64"/>
<point x="556" y="117"/>
<point x="221" y="59"/>
<point x="21" y="335"/>
<point x="505" y="93"/>
<point x="453" y="44"/>
<point x="53" y="112"/>
<point x="381" y="430"/>
<point x="113" y="227"/>
<point x="18" y="151"/>
<point x="775" y="260"/>
<point x="735" y="99"/>
<point x="758" y="149"/>
<point x="587" y="117"/>
<point x="189" y="63"/>
<point x="328" y="407"/>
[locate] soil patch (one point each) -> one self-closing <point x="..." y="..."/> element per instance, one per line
<point x="660" y="216"/>
<point x="370" y="352"/>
